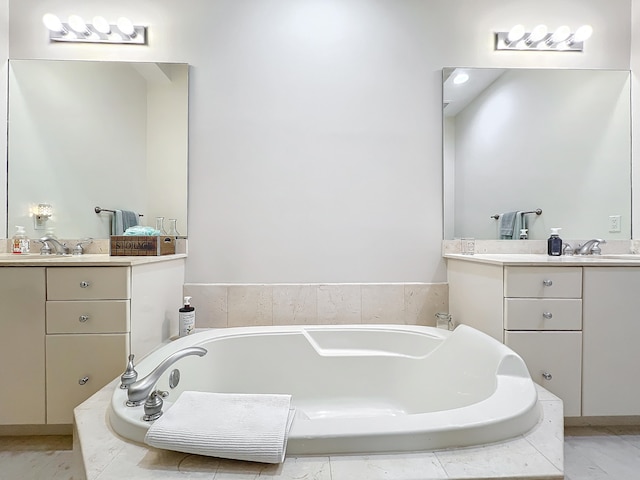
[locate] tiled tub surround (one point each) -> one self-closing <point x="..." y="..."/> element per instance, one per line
<point x="536" y="455"/>
<point x="219" y="305"/>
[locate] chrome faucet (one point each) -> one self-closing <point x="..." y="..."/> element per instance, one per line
<point x="47" y="241"/>
<point x="590" y="247"/>
<point x="139" y="391"/>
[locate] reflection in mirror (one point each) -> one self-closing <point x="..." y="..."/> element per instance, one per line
<point x="86" y="134"/>
<point x="521" y="140"/>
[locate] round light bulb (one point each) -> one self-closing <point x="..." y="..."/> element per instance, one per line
<point x="77" y="23"/>
<point x="101" y="25"/>
<point x="561" y="34"/>
<point x="583" y="33"/>
<point x="53" y="23"/>
<point x="125" y="26"/>
<point x="516" y="33"/>
<point x="537" y="34"/>
<point x="461" y="78"/>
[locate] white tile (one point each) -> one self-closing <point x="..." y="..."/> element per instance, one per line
<point x="515" y="457"/>
<point x="295" y="304"/>
<point x="548" y="436"/>
<point x="422" y="301"/>
<point x="387" y="467"/>
<point x="36" y="457"/>
<point x="383" y="303"/>
<point x="249" y="305"/>
<point x="339" y="304"/>
<point x="210" y="302"/>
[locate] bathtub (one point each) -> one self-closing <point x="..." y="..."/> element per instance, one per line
<point x="358" y="388"/>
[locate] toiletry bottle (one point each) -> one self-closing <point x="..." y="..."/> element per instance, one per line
<point x="187" y="318"/>
<point x="554" y="244"/>
<point x="20" y="242"/>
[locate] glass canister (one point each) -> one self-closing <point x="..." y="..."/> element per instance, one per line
<point x="173" y="227"/>
<point x="160" y="225"/>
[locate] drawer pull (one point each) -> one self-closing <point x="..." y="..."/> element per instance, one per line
<point x="83" y="318"/>
<point x="84" y="284"/>
<point x="547" y="283"/>
<point x="83" y="380"/>
<point x="547" y="315"/>
<point x="546" y="375"/>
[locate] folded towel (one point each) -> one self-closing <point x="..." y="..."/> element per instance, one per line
<point x="507" y="224"/>
<point x="123" y="219"/>
<point x="252" y="427"/>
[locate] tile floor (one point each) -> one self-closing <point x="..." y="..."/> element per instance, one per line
<point x="591" y="453"/>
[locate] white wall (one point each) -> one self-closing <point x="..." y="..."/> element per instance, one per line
<point x="315" y="125"/>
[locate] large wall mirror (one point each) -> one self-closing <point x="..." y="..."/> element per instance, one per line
<point x="86" y="134"/>
<point x="521" y="140"/>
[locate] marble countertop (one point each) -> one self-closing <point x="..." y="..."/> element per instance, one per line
<point x="536" y="259"/>
<point x="88" y="260"/>
<point x="100" y="454"/>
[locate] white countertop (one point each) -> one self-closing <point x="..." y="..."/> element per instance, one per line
<point x="86" y="260"/>
<point x="536" y="259"/>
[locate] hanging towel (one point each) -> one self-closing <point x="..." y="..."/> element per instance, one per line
<point x="123" y="219"/>
<point x="252" y="427"/>
<point x="507" y="225"/>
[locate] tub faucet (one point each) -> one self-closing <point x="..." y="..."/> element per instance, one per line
<point x="139" y="391"/>
<point x="590" y="247"/>
<point x="47" y="241"/>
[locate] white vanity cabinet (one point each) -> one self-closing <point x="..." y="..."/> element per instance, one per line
<point x="69" y="325"/>
<point x="22" y="367"/>
<point x="611" y="355"/>
<point x="87" y="338"/>
<point x="536" y="311"/>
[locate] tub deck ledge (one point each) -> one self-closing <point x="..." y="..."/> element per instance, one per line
<point x="100" y="454"/>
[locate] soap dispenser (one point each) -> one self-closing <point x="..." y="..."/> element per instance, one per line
<point x="554" y="243"/>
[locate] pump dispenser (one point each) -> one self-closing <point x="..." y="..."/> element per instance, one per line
<point x="187" y="318"/>
<point x="554" y="243"/>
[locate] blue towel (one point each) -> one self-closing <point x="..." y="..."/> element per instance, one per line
<point x="123" y="219"/>
<point x="507" y="225"/>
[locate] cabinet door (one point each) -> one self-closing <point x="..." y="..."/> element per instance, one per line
<point x="22" y="309"/>
<point x="77" y="367"/>
<point x="554" y="361"/>
<point x="611" y="383"/>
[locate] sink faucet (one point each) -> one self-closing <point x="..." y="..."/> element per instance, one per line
<point x="47" y="241"/>
<point x="139" y="391"/>
<point x="590" y="247"/>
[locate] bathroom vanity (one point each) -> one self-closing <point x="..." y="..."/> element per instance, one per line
<point x="69" y="324"/>
<point x="572" y="319"/>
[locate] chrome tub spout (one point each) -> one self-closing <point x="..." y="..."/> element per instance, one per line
<point x="139" y="391"/>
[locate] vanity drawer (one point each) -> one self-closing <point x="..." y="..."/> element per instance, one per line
<point x="88" y="283"/>
<point x="93" y="316"/>
<point x="542" y="314"/>
<point x="77" y="367"/>
<point x="543" y="282"/>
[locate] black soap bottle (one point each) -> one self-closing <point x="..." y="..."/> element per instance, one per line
<point x="554" y="244"/>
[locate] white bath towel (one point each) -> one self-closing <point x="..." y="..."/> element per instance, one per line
<point x="253" y="427"/>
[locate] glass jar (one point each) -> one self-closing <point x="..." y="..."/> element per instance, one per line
<point x="160" y="225"/>
<point x="173" y="227"/>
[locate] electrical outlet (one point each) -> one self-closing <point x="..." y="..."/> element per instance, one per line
<point x="614" y="223"/>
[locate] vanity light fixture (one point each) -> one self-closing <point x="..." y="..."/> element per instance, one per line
<point x="41" y="214"/>
<point x="540" y="39"/>
<point x="99" y="31"/>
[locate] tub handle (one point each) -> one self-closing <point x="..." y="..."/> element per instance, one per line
<point x="547" y="375"/>
<point x="547" y="315"/>
<point x="83" y="380"/>
<point x="547" y="283"/>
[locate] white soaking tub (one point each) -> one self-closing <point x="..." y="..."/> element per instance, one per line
<point x="358" y="388"/>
